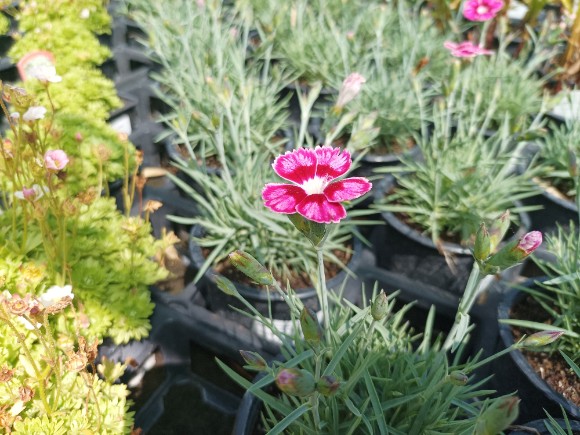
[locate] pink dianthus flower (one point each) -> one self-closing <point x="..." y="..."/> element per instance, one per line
<point x="465" y="49"/>
<point x="316" y="193"/>
<point x="481" y="10"/>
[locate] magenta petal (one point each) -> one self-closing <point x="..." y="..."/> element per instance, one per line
<point x="318" y="209"/>
<point x="347" y="189"/>
<point x="332" y="162"/>
<point x="282" y="198"/>
<point x="297" y="166"/>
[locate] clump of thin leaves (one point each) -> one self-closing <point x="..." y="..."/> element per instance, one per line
<point x="465" y="175"/>
<point x="561" y="295"/>
<point x="392" y="381"/>
<point x="557" y="154"/>
<point x="509" y="86"/>
<point x="207" y="74"/>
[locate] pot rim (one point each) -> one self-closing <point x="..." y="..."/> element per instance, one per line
<point x="416" y="236"/>
<point x="508" y="300"/>
<point x="258" y="294"/>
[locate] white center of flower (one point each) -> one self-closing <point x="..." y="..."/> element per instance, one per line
<point x="482" y="9"/>
<point x="315" y="185"/>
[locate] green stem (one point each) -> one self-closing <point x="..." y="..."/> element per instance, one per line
<point x="314" y="399"/>
<point x="465" y="305"/>
<point x="323" y="293"/>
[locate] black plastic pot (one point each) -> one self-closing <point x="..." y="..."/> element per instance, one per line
<point x="538" y="427"/>
<point x="513" y="372"/>
<point x="404" y="250"/>
<point x="556" y="211"/>
<point x="261" y="299"/>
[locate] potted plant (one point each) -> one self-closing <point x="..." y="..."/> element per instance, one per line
<point x="552" y="303"/>
<point x="555" y="153"/>
<point x="359" y="369"/>
<point x="434" y="203"/>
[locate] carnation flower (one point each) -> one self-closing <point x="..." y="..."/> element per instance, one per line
<point x="481" y="10"/>
<point x="316" y="194"/>
<point x="465" y="49"/>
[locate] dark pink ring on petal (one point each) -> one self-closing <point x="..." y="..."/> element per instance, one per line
<point x="282" y="198"/>
<point x="332" y="162"/>
<point x="297" y="166"/>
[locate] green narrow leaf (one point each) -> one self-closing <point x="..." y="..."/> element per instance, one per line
<point x="571" y="363"/>
<point x="289" y="419"/>
<point x="539" y="326"/>
<point x="342" y="350"/>
<point x="376" y="403"/>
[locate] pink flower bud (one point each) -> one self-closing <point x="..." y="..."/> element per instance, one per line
<point x="530" y="242"/>
<point x="328" y="385"/>
<point x="351" y="87"/>
<point x="295" y="382"/>
<point x="78" y="136"/>
<point x="542" y="338"/>
<point x="55" y="160"/>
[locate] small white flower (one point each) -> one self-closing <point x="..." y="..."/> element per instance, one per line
<point x="85" y="13"/>
<point x="55" y="294"/>
<point x="27" y="324"/>
<point x="15" y="116"/>
<point x="34" y="113"/>
<point x="45" y="73"/>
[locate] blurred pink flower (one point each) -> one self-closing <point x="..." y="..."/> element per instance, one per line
<point x="34" y="113"/>
<point x="481" y="10"/>
<point x="316" y="194"/>
<point x="465" y="49"/>
<point x="351" y="87"/>
<point x="55" y="160"/>
<point x="31" y="194"/>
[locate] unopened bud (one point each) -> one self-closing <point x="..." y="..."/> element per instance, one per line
<point x="501" y="414"/>
<point x="295" y="382"/>
<point x="380" y="306"/>
<point x="225" y="285"/>
<point x="254" y="360"/>
<point x="457" y="377"/>
<point x="513" y="253"/>
<point x="351" y="87"/>
<point x="482" y="247"/>
<point x="311" y="328"/>
<point x="250" y="267"/>
<point x="328" y="385"/>
<point x="542" y="338"/>
<point x="498" y="229"/>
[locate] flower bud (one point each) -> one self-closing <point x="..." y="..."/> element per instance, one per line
<point x="498" y="229"/>
<point x="380" y="306"/>
<point x="513" y="253"/>
<point x="254" y="360"/>
<point x="542" y="338"/>
<point x="457" y="377"/>
<point x="351" y="87"/>
<point x="501" y="414"/>
<point x="225" y="285"/>
<point x="311" y="328"/>
<point x="328" y="385"/>
<point x="250" y="267"/>
<point x="295" y="382"/>
<point x="482" y="247"/>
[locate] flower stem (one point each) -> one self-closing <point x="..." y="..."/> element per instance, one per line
<point x="323" y="293"/>
<point x="465" y="304"/>
<point x="314" y="399"/>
